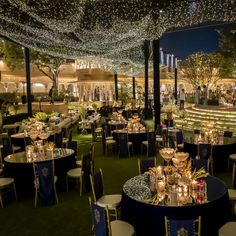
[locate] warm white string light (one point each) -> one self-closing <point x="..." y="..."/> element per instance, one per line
<point x="111" y="29"/>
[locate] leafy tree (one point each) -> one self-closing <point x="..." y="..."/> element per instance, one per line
<point x="201" y="68"/>
<point x="50" y="66"/>
<point x="227" y="44"/>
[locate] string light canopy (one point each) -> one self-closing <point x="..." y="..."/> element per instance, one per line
<point x="110" y="29"/>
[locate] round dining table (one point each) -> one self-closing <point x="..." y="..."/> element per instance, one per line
<point x="18" y="139"/>
<point x="18" y="167"/>
<point x="149" y="219"/>
<point x="135" y="137"/>
<point x="220" y="152"/>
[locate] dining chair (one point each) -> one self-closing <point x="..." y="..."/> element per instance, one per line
<point x="205" y="152"/>
<point x="145" y="163"/>
<point x="83" y="172"/>
<point x="179" y="139"/>
<point x="6" y="185"/>
<point x="103" y="226"/>
<point x="96" y="132"/>
<point x="150" y="144"/>
<point x="45" y="182"/>
<point x="8" y="147"/>
<point x="107" y="142"/>
<point x="124" y="144"/>
<point x="228" y="134"/>
<point x="64" y="137"/>
<point x="175" y="227"/>
<point x="1" y="161"/>
<point x="197" y="164"/>
<point x="58" y="139"/>
<point x="28" y="141"/>
<point x="228" y="229"/>
<point x="102" y="199"/>
<point x="232" y="191"/>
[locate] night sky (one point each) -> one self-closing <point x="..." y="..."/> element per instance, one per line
<point x="184" y="43"/>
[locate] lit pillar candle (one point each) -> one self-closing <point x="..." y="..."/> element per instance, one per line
<point x="159" y="170"/>
<point x="161" y="186"/>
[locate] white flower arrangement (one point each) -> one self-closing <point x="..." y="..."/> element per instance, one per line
<point x="170" y="107"/>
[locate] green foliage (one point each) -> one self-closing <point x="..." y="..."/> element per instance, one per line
<point x="190" y="100"/>
<point x="125" y="93"/>
<point x="12" y="54"/>
<point x="201" y="68"/>
<point x="48" y="65"/>
<point x="227" y="44"/>
<point x="9" y="97"/>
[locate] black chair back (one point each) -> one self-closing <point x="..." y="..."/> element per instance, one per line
<point x="145" y="164"/>
<point x="151" y="136"/>
<point x="11" y="131"/>
<point x="191" y="148"/>
<point x="204" y="150"/>
<point x="234" y="176"/>
<point x="87" y="167"/>
<point x="228" y="134"/>
<point x="104" y="140"/>
<point x="27" y="141"/>
<point x="179" y="137"/>
<point x="7" y="147"/>
<point x="74" y="146"/>
<point x="44" y="177"/>
<point x="58" y="139"/>
<point x="197" y="164"/>
<point x="70" y="135"/>
<point x="97" y="185"/>
<point x="123" y="144"/>
<point x="120" y="126"/>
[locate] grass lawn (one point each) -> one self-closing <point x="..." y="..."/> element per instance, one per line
<point x="71" y="215"/>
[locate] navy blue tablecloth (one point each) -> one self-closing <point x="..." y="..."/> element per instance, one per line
<point x="148" y="219"/>
<point x="220" y="154"/>
<point x="135" y="138"/>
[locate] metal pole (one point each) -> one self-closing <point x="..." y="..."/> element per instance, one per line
<point x="134" y="96"/>
<point x="146" y="58"/>
<point x="176" y="77"/>
<point x="28" y="82"/>
<point x="156" y="82"/>
<point x="116" y="85"/>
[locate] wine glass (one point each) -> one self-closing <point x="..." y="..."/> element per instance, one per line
<point x="167" y="154"/>
<point x="33" y="135"/>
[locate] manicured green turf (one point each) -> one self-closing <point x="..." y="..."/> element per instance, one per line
<point x="71" y="215"/>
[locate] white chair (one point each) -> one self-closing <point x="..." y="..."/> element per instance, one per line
<point x="77" y="174"/>
<point x="1" y="164"/>
<point x="107" y="142"/>
<point x="101" y="222"/>
<point x="228" y="229"/>
<point x="232" y="192"/>
<point x="112" y="201"/>
<point x="7" y="184"/>
<point x="232" y="159"/>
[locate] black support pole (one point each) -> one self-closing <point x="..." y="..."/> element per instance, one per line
<point x="146" y="58"/>
<point x="133" y="80"/>
<point x="116" y="86"/>
<point x="156" y="82"/>
<point x="176" y="77"/>
<point x="28" y="82"/>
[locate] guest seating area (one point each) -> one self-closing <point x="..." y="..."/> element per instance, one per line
<point x="116" y="171"/>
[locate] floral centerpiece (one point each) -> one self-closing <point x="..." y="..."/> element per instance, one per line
<point x="82" y="112"/>
<point x="169" y="109"/>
